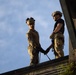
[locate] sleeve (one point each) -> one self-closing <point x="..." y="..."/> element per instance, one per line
<point x="41" y="49"/>
<point x="61" y="21"/>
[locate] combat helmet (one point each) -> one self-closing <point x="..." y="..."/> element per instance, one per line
<point x="57" y="13"/>
<point x="31" y="20"/>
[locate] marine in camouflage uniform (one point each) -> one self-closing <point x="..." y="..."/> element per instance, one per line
<point x="33" y="39"/>
<point x="58" y="34"/>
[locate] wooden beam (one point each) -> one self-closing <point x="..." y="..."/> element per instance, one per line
<point x="69" y="22"/>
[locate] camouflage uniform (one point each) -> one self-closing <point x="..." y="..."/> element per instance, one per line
<point x="34" y="46"/>
<point x="59" y="39"/>
<point x="59" y="45"/>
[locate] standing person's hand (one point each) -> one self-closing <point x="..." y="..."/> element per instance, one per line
<point x="52" y="35"/>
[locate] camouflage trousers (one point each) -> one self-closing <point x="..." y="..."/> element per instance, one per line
<point x="59" y="44"/>
<point x="34" y="55"/>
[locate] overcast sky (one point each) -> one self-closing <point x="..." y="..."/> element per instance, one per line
<point x="13" y="29"/>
